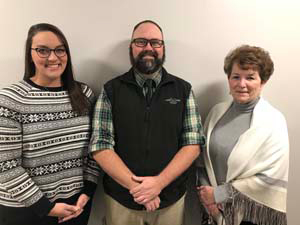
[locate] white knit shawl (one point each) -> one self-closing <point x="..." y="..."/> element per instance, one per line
<point x="258" y="164"/>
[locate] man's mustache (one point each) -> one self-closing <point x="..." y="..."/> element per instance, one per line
<point x="148" y="53"/>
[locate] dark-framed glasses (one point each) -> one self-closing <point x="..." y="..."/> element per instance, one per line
<point x="46" y="52"/>
<point x="142" y="42"/>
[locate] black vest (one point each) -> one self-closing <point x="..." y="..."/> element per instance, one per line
<point x="147" y="137"/>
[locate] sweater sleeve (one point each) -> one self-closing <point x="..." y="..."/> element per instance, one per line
<point x="91" y="168"/>
<point x="14" y="179"/>
<point x="91" y="174"/>
<point x="201" y="174"/>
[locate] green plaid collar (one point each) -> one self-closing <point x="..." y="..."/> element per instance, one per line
<point x="140" y="79"/>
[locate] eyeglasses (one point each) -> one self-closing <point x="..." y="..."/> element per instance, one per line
<point x="142" y="42"/>
<point x="46" y="52"/>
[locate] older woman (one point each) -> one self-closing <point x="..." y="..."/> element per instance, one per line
<point x="247" y="153"/>
<point x="46" y="176"/>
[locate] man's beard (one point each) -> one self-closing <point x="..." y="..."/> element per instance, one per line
<point x="147" y="66"/>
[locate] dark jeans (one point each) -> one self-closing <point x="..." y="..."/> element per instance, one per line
<point x="246" y="223"/>
<point x="19" y="216"/>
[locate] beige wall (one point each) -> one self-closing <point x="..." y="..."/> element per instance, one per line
<point x="198" y="34"/>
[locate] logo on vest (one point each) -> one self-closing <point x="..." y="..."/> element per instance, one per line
<point x="172" y="101"/>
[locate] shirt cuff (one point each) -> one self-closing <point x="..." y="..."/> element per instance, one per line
<point x="100" y="147"/>
<point x="42" y="207"/>
<point x="193" y="138"/>
<point x="89" y="188"/>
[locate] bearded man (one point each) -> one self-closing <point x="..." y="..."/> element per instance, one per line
<point x="146" y="133"/>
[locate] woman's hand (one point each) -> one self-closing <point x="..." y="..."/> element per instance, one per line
<point x="206" y="195"/>
<point x="213" y="210"/>
<point x="63" y="210"/>
<point x="81" y="202"/>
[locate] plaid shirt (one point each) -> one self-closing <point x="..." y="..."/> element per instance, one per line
<point x="103" y="129"/>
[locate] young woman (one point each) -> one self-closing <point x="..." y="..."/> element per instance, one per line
<point x="46" y="174"/>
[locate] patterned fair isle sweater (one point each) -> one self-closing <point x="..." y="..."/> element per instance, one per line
<point x="43" y="147"/>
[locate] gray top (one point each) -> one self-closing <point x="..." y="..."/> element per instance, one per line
<point x="223" y="139"/>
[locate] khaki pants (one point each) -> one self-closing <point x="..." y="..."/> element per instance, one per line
<point x="117" y="214"/>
